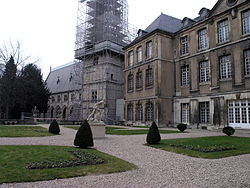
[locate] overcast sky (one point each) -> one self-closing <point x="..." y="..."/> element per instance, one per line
<point x="46" y="28"/>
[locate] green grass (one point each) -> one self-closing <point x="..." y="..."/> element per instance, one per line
<point x="125" y="131"/>
<point x="23" y="131"/>
<point x="14" y="158"/>
<point x="241" y="144"/>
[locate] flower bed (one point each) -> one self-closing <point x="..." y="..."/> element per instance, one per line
<point x="81" y="159"/>
<point x="204" y="149"/>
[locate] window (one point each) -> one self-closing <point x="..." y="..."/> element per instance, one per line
<point x="185" y="113"/>
<point x="225" y="67"/>
<point x="223" y="31"/>
<point x="139" y="54"/>
<point x="65" y="97"/>
<point x="130" y="112"/>
<point x="139" y="112"/>
<point x="203" y="43"/>
<point x="204" y="71"/>
<point x="95" y="61"/>
<point x="139" y="79"/>
<point x="53" y="99"/>
<point x="185" y="75"/>
<point x="130" y="58"/>
<point x="246" y="22"/>
<point x="72" y="96"/>
<point x="239" y="112"/>
<point x="94" y="96"/>
<point x="149" y="50"/>
<point x="58" y="98"/>
<point x="184" y="45"/>
<point x="130" y="82"/>
<point x="247" y="62"/>
<point x="204" y="112"/>
<point x="149" y="77"/>
<point x="149" y="116"/>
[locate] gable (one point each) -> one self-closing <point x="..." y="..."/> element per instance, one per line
<point x="223" y="5"/>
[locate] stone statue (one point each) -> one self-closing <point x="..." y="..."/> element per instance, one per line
<point x="96" y="114"/>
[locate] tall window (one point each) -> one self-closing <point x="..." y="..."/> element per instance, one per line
<point x="130" y="112"/>
<point x="203" y="43"/>
<point x="149" y="77"/>
<point x="139" y="112"/>
<point x="225" y="67"/>
<point x="130" y="58"/>
<point x="72" y="96"/>
<point x="184" y="45"/>
<point x="149" y="49"/>
<point x="130" y="82"/>
<point x="139" y="54"/>
<point x="223" y="31"/>
<point x="149" y="116"/>
<point x="139" y="79"/>
<point x="185" y="75"/>
<point x="95" y="61"/>
<point x="204" y="71"/>
<point x="204" y="112"/>
<point x="247" y="62"/>
<point x="58" y="98"/>
<point x="185" y="113"/>
<point x="65" y="97"/>
<point x="246" y="22"/>
<point x="94" y="96"/>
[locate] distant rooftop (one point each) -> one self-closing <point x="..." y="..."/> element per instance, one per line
<point x="62" y="79"/>
<point x="165" y="23"/>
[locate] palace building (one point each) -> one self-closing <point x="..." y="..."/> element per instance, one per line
<point x="193" y="71"/>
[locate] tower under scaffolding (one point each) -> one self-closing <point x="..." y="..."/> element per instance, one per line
<point x="102" y="31"/>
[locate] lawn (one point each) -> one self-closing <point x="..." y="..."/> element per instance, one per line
<point x="125" y="131"/>
<point x="187" y="146"/>
<point x="13" y="161"/>
<point x="23" y="131"/>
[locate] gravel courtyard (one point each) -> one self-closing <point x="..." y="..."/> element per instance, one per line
<point x="156" y="168"/>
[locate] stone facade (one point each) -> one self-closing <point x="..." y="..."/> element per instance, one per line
<point x="200" y="71"/>
<point x="65" y="99"/>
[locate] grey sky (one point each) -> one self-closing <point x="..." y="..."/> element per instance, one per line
<point x="46" y="28"/>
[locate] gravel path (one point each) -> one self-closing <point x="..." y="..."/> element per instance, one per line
<point x="156" y="168"/>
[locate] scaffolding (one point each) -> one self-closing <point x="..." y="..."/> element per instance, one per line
<point x="101" y="33"/>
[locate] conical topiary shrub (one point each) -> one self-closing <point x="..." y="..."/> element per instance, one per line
<point x="153" y="136"/>
<point x="54" y="127"/>
<point x="84" y="137"/>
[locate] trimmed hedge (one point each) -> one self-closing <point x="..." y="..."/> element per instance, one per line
<point x="84" y="137"/>
<point x="153" y="136"/>
<point x="182" y="127"/>
<point x="228" y="130"/>
<point x="54" y="127"/>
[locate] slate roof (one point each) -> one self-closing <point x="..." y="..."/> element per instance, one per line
<point x="62" y="79"/>
<point x="165" y="23"/>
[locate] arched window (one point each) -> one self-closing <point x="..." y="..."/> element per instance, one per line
<point x="139" y="112"/>
<point x="130" y="82"/>
<point x="130" y="112"/>
<point x="149" y="111"/>
<point x="139" y="79"/>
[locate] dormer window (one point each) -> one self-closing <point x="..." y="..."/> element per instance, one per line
<point x="71" y="77"/>
<point x="231" y="2"/>
<point x="58" y="80"/>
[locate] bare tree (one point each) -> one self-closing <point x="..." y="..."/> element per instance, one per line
<point x="15" y="50"/>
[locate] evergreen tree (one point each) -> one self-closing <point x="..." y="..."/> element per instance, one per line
<point x="33" y="89"/>
<point x="8" y="87"/>
<point x="84" y="137"/>
<point x="153" y="136"/>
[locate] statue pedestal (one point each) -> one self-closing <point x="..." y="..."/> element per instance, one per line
<point x="98" y="129"/>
